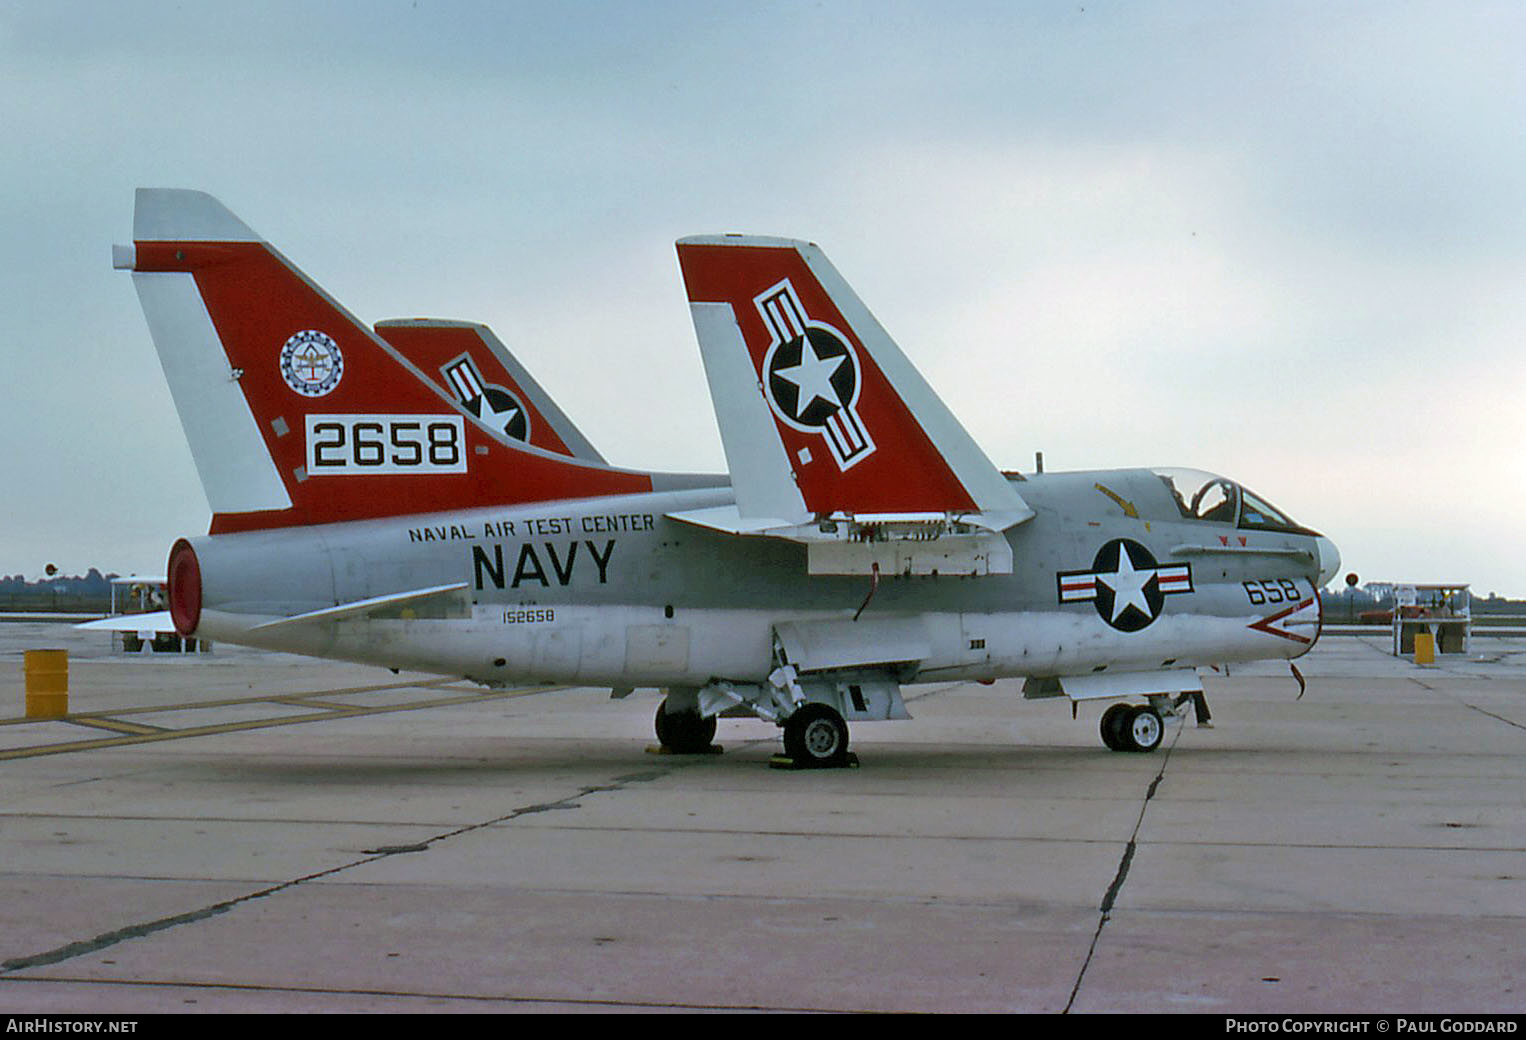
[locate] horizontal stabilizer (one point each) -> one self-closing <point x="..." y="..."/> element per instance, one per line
<point x="159" y="621"/>
<point x="729" y="520"/>
<point x="363" y="606"/>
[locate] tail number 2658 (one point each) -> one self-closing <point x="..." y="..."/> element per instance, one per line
<point x="351" y="445"/>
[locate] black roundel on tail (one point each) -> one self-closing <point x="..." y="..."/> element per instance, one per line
<point x="510" y="411"/>
<point x="812" y="377"/>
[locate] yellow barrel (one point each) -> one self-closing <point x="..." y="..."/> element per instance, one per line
<point x="1425" y="648"/>
<point x="47" y="684"/>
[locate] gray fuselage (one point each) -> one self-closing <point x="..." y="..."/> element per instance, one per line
<point x="614" y="592"/>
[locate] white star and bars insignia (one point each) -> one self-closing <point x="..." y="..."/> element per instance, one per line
<point x="1126" y="584"/>
<point x="811" y="377"/>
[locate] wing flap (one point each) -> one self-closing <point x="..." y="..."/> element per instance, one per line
<point x="875" y="544"/>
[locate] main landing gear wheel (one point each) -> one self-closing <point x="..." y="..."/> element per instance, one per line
<point x="1127" y="727"/>
<point x="816" y="735"/>
<point x="684" y="732"/>
<point x="1112" y="726"/>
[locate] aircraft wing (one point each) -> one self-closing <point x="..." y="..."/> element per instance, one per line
<point x="161" y="621"/>
<point x="393" y="601"/>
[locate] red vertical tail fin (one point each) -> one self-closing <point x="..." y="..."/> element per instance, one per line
<point x="295" y="411"/>
<point x="850" y="426"/>
<point x="473" y="364"/>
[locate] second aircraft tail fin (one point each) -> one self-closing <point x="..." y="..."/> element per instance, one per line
<point x="490" y="382"/>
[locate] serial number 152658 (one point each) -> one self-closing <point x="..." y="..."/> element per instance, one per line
<point x="529" y="616"/>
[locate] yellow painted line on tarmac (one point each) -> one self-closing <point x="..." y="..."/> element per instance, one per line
<point x="149" y="735"/>
<point x="310" y="702"/>
<point x="115" y="726"/>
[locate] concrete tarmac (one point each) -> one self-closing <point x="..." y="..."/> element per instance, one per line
<point x="258" y="832"/>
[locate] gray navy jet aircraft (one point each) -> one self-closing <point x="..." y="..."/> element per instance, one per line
<point x="373" y="502"/>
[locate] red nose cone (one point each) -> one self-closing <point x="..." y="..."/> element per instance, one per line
<point x="185" y="588"/>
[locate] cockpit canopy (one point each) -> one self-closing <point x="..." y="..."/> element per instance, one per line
<point x="1203" y="496"/>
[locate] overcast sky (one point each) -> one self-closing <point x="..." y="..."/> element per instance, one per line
<point x="1285" y="242"/>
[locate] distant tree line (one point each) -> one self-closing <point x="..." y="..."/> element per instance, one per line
<point x="89" y="593"/>
<point x="1342" y="602"/>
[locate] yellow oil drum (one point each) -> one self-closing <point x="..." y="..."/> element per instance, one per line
<point x="1425" y="648"/>
<point x="47" y="684"/>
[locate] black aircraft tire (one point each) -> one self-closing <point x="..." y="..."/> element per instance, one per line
<point x="1112" y="727"/>
<point x="816" y="735"/>
<point x="684" y="732"/>
<point x="1143" y="729"/>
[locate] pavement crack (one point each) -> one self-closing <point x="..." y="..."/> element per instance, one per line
<point x="69" y="951"/>
<point x="1110" y="897"/>
<point x="1118" y="879"/>
<point x="85" y="947"/>
<point x="100" y="942"/>
<point x="1486" y="713"/>
<point x="396" y="850"/>
<point x="1461" y="702"/>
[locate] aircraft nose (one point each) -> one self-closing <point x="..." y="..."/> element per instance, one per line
<point x="1329" y="559"/>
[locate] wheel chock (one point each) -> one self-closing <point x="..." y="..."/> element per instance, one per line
<point x="658" y="749"/>
<point x="783" y="761"/>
